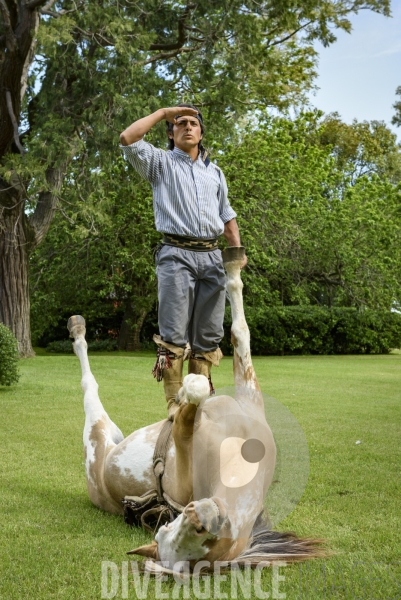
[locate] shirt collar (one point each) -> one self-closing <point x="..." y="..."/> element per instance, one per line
<point x="183" y="154"/>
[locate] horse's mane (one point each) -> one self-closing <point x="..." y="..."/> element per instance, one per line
<point x="267" y="545"/>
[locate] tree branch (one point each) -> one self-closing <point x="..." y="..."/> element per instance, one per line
<point x="181" y="32"/>
<point x="40" y="220"/>
<point x="36" y="3"/>
<point x="95" y="36"/>
<point x="14" y="122"/>
<point x="175" y="46"/>
<point x="51" y="13"/>
<point x="11" y="40"/>
<point x="165" y="55"/>
<point x="48" y="5"/>
<point x="290" y="35"/>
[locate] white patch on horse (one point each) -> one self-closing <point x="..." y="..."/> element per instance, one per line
<point x="136" y="464"/>
<point x="89" y="452"/>
<point x="94" y="410"/>
<point x="246" y="504"/>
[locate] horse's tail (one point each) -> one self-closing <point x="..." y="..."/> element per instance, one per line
<point x="267" y="545"/>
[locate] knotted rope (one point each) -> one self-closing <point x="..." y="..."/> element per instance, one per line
<point x="155" y="507"/>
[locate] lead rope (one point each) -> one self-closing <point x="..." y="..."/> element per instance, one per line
<point x="155" y="504"/>
<point x="159" y="456"/>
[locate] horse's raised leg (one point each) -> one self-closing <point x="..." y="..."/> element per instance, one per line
<point x="195" y="388"/>
<point x="100" y="433"/>
<point x="244" y="373"/>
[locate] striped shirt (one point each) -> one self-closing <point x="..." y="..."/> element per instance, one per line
<point x="189" y="197"/>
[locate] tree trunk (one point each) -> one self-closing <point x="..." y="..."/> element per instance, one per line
<point x="20" y="24"/>
<point x="14" y="284"/>
<point x="19" y="236"/>
<point x="19" y="233"/>
<point x="129" y="338"/>
<point x="135" y="339"/>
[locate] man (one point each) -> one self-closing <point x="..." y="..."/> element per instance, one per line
<point x="191" y="210"/>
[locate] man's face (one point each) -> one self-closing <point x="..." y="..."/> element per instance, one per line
<point x="186" y="133"/>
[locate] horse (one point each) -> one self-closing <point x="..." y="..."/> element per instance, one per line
<point x="217" y="465"/>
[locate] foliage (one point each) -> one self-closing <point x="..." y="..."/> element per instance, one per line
<point x="9" y="358"/>
<point x="314" y="233"/>
<point x="361" y="148"/>
<point x="396" y="120"/>
<point x="320" y="330"/>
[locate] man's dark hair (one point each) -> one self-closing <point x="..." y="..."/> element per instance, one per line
<point x="200" y="119"/>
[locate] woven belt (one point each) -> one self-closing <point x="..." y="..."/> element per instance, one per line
<point x="189" y="243"/>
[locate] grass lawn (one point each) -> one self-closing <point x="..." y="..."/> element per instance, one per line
<point x="53" y="540"/>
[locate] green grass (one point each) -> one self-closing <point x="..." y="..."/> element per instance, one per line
<point x="53" y="540"/>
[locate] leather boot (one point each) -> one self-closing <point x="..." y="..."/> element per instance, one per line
<point x="172" y="381"/>
<point x="168" y="367"/>
<point x="200" y="366"/>
<point x="200" y="363"/>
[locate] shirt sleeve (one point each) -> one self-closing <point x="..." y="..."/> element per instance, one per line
<point x="145" y="158"/>
<point x="226" y="212"/>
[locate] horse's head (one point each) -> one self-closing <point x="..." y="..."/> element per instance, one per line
<point x="201" y="533"/>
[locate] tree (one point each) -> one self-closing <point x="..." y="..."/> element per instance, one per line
<point x="93" y="58"/>
<point x="361" y="148"/>
<point x="17" y="48"/>
<point x="315" y="233"/>
<point x="396" y="120"/>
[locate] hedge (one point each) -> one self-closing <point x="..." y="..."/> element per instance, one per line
<point x="319" y="330"/>
<point x="297" y="330"/>
<point x="65" y="346"/>
<point x="9" y="356"/>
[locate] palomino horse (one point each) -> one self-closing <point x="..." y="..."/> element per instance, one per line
<point x="219" y="460"/>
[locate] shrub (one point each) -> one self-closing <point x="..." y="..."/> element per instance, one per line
<point x="8" y="356"/>
<point x="65" y="346"/>
<point x="320" y="330"/>
<point x="102" y="346"/>
<point x="60" y="347"/>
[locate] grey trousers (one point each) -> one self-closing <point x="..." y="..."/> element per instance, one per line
<point x="192" y="290"/>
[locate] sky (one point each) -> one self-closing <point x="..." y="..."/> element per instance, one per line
<point x="359" y="73"/>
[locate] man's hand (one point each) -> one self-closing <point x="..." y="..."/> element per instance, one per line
<point x="137" y="130"/>
<point x="231" y="233"/>
<point x="171" y="113"/>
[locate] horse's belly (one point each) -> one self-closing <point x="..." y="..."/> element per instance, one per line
<point x="129" y="466"/>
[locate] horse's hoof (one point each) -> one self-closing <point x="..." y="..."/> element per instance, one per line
<point x="195" y="388"/>
<point x="233" y="254"/>
<point x="76" y="325"/>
